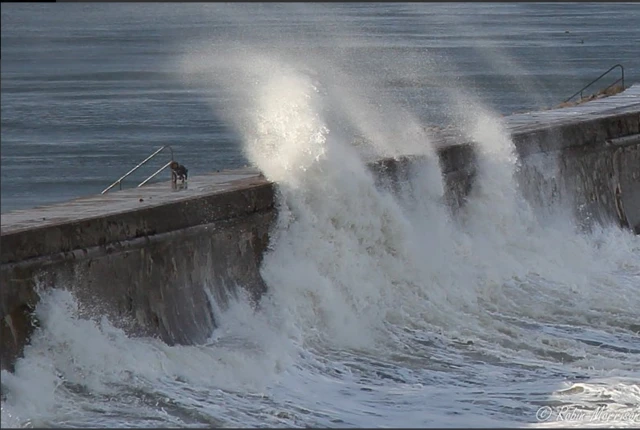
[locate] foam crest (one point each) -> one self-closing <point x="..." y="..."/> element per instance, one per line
<point x="362" y="282"/>
<point x="72" y="362"/>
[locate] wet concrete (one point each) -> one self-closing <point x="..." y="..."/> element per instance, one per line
<point x="148" y="257"/>
<point x="106" y="218"/>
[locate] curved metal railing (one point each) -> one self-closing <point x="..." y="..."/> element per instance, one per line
<point x="119" y="181"/>
<point x="621" y="79"/>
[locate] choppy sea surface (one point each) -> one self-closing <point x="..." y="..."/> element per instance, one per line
<point x="382" y="309"/>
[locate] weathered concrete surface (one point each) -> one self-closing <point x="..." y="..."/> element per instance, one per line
<point x="146" y="256"/>
<point x="142" y="256"/>
<point x="592" y="157"/>
<point x="113" y="217"/>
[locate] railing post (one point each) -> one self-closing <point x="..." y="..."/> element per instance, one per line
<point x="119" y="181"/>
<point x="156" y="173"/>
<point x="597" y="79"/>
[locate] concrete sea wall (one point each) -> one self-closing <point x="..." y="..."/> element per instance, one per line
<point x="140" y="256"/>
<point x="146" y="256"/>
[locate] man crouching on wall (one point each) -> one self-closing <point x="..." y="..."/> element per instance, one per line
<point x="178" y="171"/>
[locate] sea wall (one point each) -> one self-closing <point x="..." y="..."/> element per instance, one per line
<point x="147" y="257"/>
<point x="140" y="256"/>
<point x="591" y="163"/>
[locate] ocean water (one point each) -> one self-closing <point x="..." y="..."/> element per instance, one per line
<point x="383" y="309"/>
<point x="89" y="90"/>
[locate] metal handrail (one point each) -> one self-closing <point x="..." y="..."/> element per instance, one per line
<point x="600" y="77"/>
<point x="119" y="181"/>
<point x="155" y="174"/>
